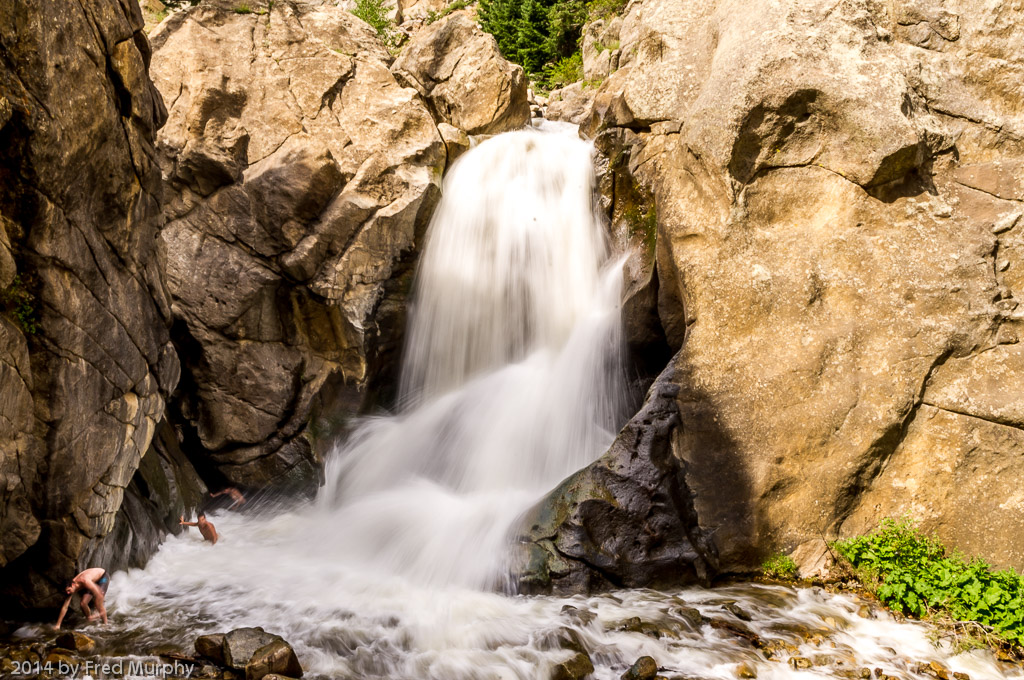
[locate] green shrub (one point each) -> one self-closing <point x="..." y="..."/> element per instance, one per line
<point x="433" y="16"/>
<point x="243" y="9"/>
<point x="20" y="306"/>
<point x="915" y="574"/>
<point x="603" y="9"/>
<point x="375" y="13"/>
<point x="562" y="73"/>
<point x="780" y="567"/>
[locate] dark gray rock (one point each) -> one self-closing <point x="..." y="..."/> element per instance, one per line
<point x="627" y="520"/>
<point x="86" y="365"/>
<point x="241" y="643"/>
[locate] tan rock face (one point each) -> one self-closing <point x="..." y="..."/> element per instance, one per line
<point x="302" y="176"/>
<point x="838" y="259"/>
<point x="458" y="69"/>
<point x="86" y="364"/>
<point x="572" y="103"/>
<point x="600" y="49"/>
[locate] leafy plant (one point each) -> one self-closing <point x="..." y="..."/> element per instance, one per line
<point x="20" y="306"/>
<point x="603" y="9"/>
<point x="915" y="574"/>
<point x="242" y="9"/>
<point x="375" y="13"/>
<point x="780" y="567"/>
<point x="563" y="72"/>
<point x="433" y="16"/>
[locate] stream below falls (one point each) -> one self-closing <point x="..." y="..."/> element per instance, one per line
<point x="512" y="379"/>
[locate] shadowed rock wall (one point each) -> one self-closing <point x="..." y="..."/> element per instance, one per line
<point x="86" y="365"/>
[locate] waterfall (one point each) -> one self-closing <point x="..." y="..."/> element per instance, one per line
<point x="512" y="371"/>
<point x="510" y="382"/>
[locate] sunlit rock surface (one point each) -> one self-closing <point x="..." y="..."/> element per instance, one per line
<point x="462" y="75"/>
<point x="301" y="176"/>
<point x="838" y="253"/>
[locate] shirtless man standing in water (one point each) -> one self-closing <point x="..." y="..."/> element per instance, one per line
<point x="94" y="581"/>
<point x="205" y="528"/>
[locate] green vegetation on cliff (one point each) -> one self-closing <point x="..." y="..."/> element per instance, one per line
<point x="915" y="574"/>
<point x="18" y="304"/>
<point x="375" y="13"/>
<point x="540" y="34"/>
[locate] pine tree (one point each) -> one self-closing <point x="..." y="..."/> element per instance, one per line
<point x="500" y="18"/>
<point x="532" y="36"/>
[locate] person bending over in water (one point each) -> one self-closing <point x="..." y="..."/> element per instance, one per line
<point x="234" y="494"/>
<point x="205" y="528"/>
<point x="94" y="582"/>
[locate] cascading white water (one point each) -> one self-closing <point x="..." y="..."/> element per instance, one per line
<point x="510" y="383"/>
<point x="512" y="376"/>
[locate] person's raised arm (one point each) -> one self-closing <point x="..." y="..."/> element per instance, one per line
<point x="183" y="523"/>
<point x="63" y="611"/>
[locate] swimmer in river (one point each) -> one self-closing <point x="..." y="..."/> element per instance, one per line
<point x="234" y="494"/>
<point x="94" y="582"/>
<point x="206" y="528"/>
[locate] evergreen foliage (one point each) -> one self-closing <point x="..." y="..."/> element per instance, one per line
<point x="915" y="574"/>
<point x="535" y="33"/>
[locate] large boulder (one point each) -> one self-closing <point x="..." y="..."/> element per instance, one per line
<point x="571" y="104"/>
<point x="626" y="520"/>
<point x="302" y="176"/>
<point x="86" y="363"/>
<point x="838" y="254"/>
<point x="458" y="69"/>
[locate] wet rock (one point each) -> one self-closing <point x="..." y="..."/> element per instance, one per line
<point x="738" y="630"/>
<point x="240" y="644"/>
<point x="633" y="624"/>
<point x="935" y="669"/>
<point x="800" y="662"/>
<point x="76" y="642"/>
<point x="775" y="648"/>
<point x="275" y="657"/>
<point x="211" y="647"/>
<point x="60" y="658"/>
<point x="626" y="517"/>
<point x="692" y="616"/>
<point x="736" y="611"/>
<point x="581" y="616"/>
<point x="577" y="667"/>
<point x="645" y="668"/>
<point x="746" y="670"/>
<point x="567" y="638"/>
<point x="458" y="69"/>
